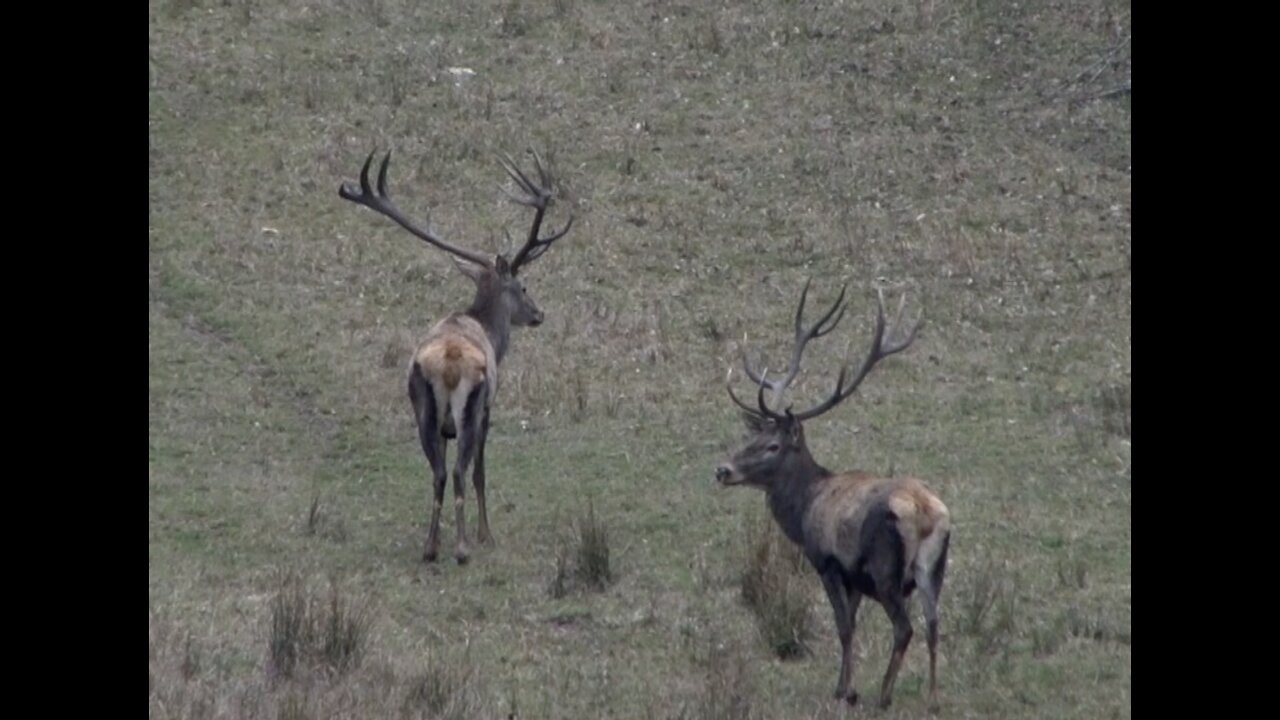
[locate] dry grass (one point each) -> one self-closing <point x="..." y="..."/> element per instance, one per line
<point x="715" y="155"/>
<point x="327" y="633"/>
<point x="582" y="560"/>
<point x="776" y="586"/>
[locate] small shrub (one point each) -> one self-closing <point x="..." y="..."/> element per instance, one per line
<point x="562" y="581"/>
<point x="990" y="596"/>
<point x="1046" y="639"/>
<point x="727" y="692"/>
<point x="775" y="588"/>
<point x="583" y="561"/>
<point x="307" y="631"/>
<point x="1073" y="572"/>
<point x="593" y="551"/>
<point x="445" y="691"/>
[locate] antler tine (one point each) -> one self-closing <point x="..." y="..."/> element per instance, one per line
<point x="760" y="396"/>
<point x="880" y="349"/>
<point x="762" y="410"/>
<point x="825" y="324"/>
<point x="755" y="375"/>
<point x="542" y="171"/>
<point x="382" y="176"/>
<point x="897" y="323"/>
<point x="538" y="197"/>
<point x="380" y="202"/>
<point x="818" y="330"/>
<point x="728" y="385"/>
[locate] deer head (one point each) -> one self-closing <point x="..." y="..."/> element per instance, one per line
<point x="776" y="448"/>
<point x="497" y="282"/>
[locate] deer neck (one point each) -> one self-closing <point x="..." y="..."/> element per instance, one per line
<point x="792" y="494"/>
<point x="495" y="317"/>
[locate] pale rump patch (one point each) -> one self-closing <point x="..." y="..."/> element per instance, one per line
<point x="449" y="360"/>
<point x="454" y="357"/>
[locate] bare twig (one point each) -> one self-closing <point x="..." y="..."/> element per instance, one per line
<point x="1114" y="92"/>
<point x="1096" y="69"/>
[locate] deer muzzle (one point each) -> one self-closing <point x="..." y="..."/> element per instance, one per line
<point x="724" y="474"/>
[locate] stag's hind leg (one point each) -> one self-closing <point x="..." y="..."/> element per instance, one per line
<point x="896" y="607"/>
<point x="883" y="541"/>
<point x="427" y="414"/>
<point x="929" y="572"/>
<point x="477" y="479"/>
<point x="469" y="435"/>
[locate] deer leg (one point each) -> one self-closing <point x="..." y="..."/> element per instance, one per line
<point x="844" y="611"/>
<point x="896" y="607"/>
<point x="477" y="479"/>
<point x="468" y="434"/>
<point x="855" y="600"/>
<point x="426" y="412"/>
<point x="929" y="579"/>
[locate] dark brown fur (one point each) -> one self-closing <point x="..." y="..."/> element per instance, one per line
<point x="453" y="376"/>
<point x="863" y="534"/>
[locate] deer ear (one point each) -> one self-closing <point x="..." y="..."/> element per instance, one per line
<point x="470" y="269"/>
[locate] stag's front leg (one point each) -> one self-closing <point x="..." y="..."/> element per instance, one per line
<point x="477" y="479"/>
<point x="844" y="611"/>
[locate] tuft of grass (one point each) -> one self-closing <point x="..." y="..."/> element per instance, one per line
<point x="313" y="515"/>
<point x="309" y="631"/>
<point x="1047" y="638"/>
<point x="1073" y="572"/>
<point x="190" y="666"/>
<point x="1093" y="625"/>
<point x="763" y="142"/>
<point x="293" y="706"/>
<point x="774" y="587"/>
<point x="583" y="560"/>
<point x="593" y="551"/>
<point x="579" y="395"/>
<point x="562" y="580"/>
<point x="443" y="691"/>
<point x="1115" y="403"/>
<point x="321" y="523"/>
<point x="728" y="691"/>
<point x="990" y="607"/>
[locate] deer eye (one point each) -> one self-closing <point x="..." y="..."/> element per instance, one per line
<point x="774" y="447"/>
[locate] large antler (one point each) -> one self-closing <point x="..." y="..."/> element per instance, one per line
<point x="802" y="338"/>
<point x="881" y="348"/>
<point x="538" y="197"/>
<point x="380" y="202"/>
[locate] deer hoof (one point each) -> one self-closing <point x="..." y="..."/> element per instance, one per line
<point x="461" y="555"/>
<point x="885" y="702"/>
<point x="851" y="698"/>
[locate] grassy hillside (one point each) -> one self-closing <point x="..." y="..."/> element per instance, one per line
<point x="974" y="155"/>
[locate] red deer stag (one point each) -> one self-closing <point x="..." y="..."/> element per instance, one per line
<point x="863" y="534"/>
<point x="453" y="376"/>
